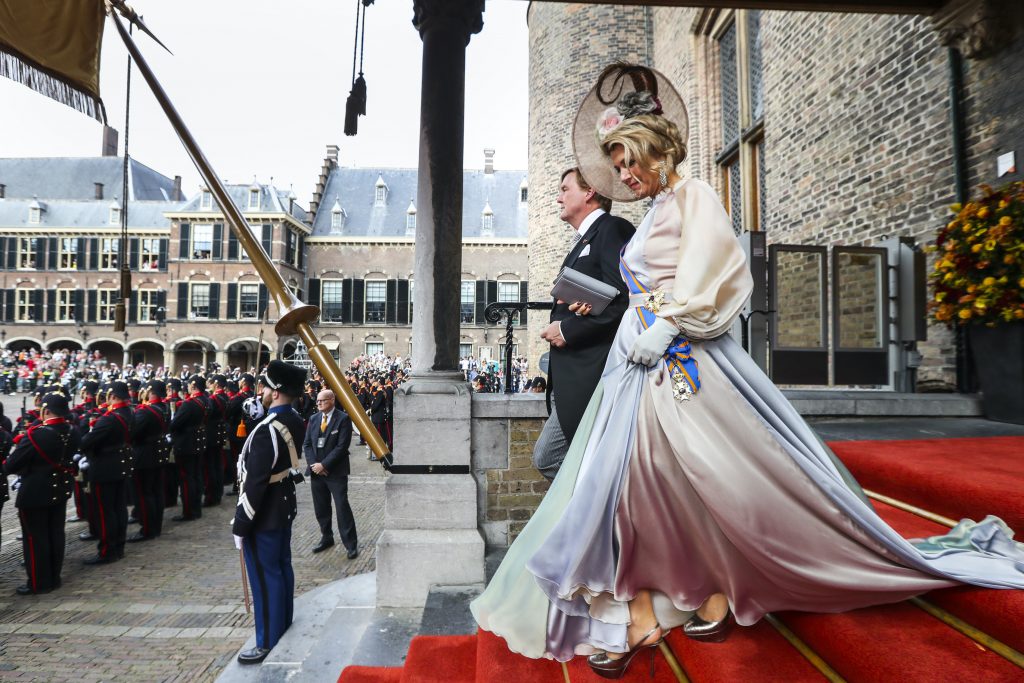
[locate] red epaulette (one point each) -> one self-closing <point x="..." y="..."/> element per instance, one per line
<point x="18" y="438"/>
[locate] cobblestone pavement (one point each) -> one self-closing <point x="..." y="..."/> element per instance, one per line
<point x="172" y="610"/>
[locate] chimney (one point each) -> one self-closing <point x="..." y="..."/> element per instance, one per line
<point x="109" y="141"/>
<point x="332" y="154"/>
<point x="99" y="190"/>
<point x="488" y="161"/>
<point x="177" y="189"/>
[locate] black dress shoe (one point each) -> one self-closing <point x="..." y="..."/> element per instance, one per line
<point x="324" y="544"/>
<point x="253" y="656"/>
<point x="99" y="559"/>
<point x="353" y="553"/>
<point x="86" y="536"/>
<point x="182" y="518"/>
<point x="137" y="538"/>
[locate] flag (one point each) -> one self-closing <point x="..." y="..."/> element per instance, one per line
<point x="53" y="47"/>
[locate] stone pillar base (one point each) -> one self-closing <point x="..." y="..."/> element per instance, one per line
<point x="410" y="561"/>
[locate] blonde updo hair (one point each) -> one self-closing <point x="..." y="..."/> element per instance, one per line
<point x="647" y="139"/>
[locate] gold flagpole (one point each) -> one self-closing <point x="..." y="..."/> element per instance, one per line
<point x="295" y="316"/>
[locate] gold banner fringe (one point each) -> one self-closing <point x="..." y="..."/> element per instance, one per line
<point x="45" y="82"/>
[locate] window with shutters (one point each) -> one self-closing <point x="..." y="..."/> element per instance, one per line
<point x="149" y="253"/>
<point x="24" y="307"/>
<point x="202" y="242"/>
<point x="65" y="312"/>
<point x="291" y="248"/>
<point x="373" y="348"/>
<point x="411" y="285"/>
<point x="68" y="259"/>
<point x="106" y="303"/>
<point x="508" y="292"/>
<point x="741" y="160"/>
<point x="110" y="249"/>
<point x="467" y="302"/>
<point x="199" y="301"/>
<point x="249" y="300"/>
<point x="28" y="249"/>
<point x="331" y="300"/>
<point x="376" y="300"/>
<point x="148" y="299"/>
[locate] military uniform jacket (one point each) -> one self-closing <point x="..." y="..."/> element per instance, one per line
<point x="234" y="413"/>
<point x="378" y="406"/>
<point x="150" y="448"/>
<point x="188" y="426"/>
<point x="262" y="505"/>
<point x="43" y="458"/>
<point x="216" y="424"/>
<point x="108" y="446"/>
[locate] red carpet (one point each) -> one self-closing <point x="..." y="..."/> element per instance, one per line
<point x="955" y="478"/>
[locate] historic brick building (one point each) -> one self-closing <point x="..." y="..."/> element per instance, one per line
<point x="197" y="297"/>
<point x="821" y="129"/>
<point x="360" y="256"/>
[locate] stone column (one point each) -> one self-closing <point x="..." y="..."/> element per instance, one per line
<point x="430" y="532"/>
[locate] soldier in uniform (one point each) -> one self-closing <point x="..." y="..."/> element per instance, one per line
<point x="237" y="429"/>
<point x="216" y="435"/>
<point x="150" y="451"/>
<point x="188" y="439"/>
<point x="172" y="401"/>
<point x="266" y="506"/>
<point x="42" y="457"/>
<point x="108" y="466"/>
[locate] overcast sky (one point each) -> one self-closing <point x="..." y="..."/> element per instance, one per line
<point x="262" y="86"/>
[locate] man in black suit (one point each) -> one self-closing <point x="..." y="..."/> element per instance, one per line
<point x="325" y="448"/>
<point x="580" y="344"/>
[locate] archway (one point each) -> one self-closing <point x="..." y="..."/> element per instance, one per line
<point x="147" y="352"/>
<point x="195" y="353"/>
<point x="23" y="344"/>
<point x="109" y="350"/>
<point x="241" y="353"/>
<point x="62" y="343"/>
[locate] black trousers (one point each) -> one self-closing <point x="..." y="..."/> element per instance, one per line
<point x="170" y="484"/>
<point x="323" y="490"/>
<point x="110" y="512"/>
<point x="81" y="504"/>
<point x="190" y="479"/>
<point x="149" y="492"/>
<point x="42" y="542"/>
<point x="213" y="475"/>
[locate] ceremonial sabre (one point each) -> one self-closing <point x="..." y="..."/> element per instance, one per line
<point x="245" y="584"/>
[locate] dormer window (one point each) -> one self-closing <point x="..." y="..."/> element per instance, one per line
<point x="410" y="219"/>
<point x="35" y="211"/>
<point x="487" y="220"/>
<point x="380" y="195"/>
<point x="254" y="198"/>
<point x="206" y="200"/>
<point x="115" y="213"/>
<point x="523" y="191"/>
<point x="337" y="216"/>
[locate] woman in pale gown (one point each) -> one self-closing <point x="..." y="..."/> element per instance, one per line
<point x="693" y="494"/>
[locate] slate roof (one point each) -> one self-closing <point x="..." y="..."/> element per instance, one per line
<point x="354" y="190"/>
<point x="272" y="200"/>
<point x="64" y="214"/>
<point x="75" y="178"/>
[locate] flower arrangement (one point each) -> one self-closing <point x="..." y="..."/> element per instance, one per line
<point x="979" y="271"/>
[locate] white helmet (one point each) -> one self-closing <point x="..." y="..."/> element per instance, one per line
<point x="252" y="407"/>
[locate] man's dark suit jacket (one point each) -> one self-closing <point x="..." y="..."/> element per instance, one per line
<point x="575" y="369"/>
<point x="334" y="454"/>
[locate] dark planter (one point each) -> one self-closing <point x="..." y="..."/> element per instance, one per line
<point x="998" y="354"/>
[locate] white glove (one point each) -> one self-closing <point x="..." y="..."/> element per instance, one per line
<point x="652" y="343"/>
<point x="83" y="464"/>
<point x="238" y="541"/>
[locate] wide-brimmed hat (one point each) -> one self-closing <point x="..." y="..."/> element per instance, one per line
<point x="611" y="101"/>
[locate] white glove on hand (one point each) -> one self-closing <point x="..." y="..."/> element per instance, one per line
<point x="238" y="542"/>
<point x="650" y="346"/>
<point x="83" y="463"/>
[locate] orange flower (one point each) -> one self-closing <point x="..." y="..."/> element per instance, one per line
<point x="983" y="212"/>
<point x="965" y="313"/>
<point x="988" y="282"/>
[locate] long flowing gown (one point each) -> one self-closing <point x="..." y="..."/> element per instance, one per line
<point x="729" y="491"/>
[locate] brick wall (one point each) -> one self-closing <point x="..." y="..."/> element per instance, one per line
<point x="509" y="489"/>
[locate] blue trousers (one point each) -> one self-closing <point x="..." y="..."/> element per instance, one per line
<point x="268" y="561"/>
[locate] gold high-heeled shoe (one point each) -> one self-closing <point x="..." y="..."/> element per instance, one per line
<point x="710" y="631"/>
<point x="606" y="667"/>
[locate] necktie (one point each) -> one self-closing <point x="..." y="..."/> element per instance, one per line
<point x="323" y="424"/>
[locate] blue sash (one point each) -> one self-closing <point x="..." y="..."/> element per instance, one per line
<point x="682" y="366"/>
